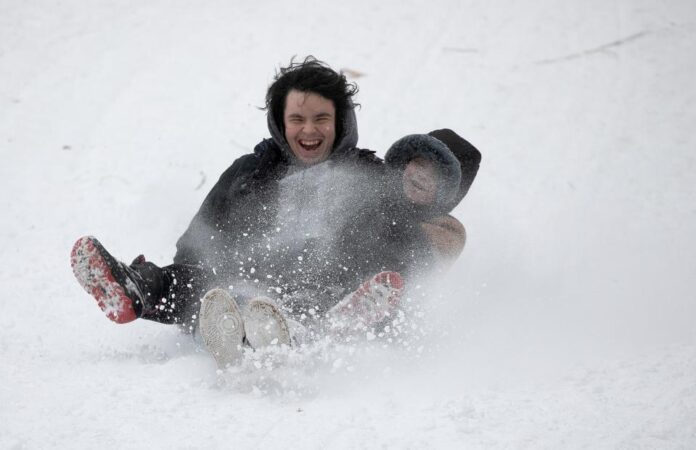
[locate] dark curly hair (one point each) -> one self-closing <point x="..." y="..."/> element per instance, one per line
<point x="310" y="75"/>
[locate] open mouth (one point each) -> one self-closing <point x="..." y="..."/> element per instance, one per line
<point x="309" y="144"/>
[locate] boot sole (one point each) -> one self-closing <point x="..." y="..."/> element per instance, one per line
<point x="372" y="302"/>
<point x="265" y="324"/>
<point x="91" y="265"/>
<point x="222" y="327"/>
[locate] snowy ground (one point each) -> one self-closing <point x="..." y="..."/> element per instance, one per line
<point x="569" y="320"/>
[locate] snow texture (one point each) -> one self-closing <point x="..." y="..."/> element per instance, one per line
<point x="567" y="323"/>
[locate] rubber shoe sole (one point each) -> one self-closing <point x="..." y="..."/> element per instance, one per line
<point x="222" y="327"/>
<point x="373" y="301"/>
<point x="265" y="324"/>
<point x="97" y="271"/>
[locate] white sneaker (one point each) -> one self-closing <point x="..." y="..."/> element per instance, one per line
<point x="265" y="324"/>
<point x="222" y="327"/>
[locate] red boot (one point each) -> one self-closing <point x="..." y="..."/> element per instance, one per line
<point x="375" y="300"/>
<point x="116" y="287"/>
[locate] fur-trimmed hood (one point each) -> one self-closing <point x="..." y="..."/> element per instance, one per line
<point x="449" y="174"/>
<point x="469" y="158"/>
<point x="455" y="158"/>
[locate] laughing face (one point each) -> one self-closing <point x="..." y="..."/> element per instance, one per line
<point x="310" y="126"/>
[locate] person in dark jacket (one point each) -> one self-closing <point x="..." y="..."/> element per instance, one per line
<point x="441" y="155"/>
<point x="305" y="218"/>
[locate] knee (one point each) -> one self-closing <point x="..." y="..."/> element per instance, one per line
<point x="446" y="235"/>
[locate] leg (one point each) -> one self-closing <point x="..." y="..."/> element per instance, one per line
<point x="141" y="290"/>
<point x="446" y="236"/>
<point x="374" y="301"/>
<point x="176" y="293"/>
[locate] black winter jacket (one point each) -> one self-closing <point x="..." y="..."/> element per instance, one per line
<point x="308" y="236"/>
<point x="311" y="235"/>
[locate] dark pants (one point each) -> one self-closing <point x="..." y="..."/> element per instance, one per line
<point x="173" y="293"/>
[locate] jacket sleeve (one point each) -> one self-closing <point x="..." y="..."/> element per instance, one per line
<point x="192" y="246"/>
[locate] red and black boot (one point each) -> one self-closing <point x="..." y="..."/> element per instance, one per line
<point x="118" y="289"/>
<point x="374" y="301"/>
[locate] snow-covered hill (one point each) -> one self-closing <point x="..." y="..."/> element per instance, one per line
<point x="567" y="323"/>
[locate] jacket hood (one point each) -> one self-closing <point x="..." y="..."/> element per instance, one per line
<point x="342" y="145"/>
<point x="469" y="158"/>
<point x="445" y="163"/>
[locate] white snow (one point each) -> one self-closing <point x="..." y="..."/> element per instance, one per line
<point x="567" y="323"/>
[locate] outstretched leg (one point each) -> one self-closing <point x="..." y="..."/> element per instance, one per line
<point x="140" y="290"/>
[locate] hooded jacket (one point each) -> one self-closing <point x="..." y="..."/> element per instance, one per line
<point x="272" y="226"/>
<point x="305" y="235"/>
